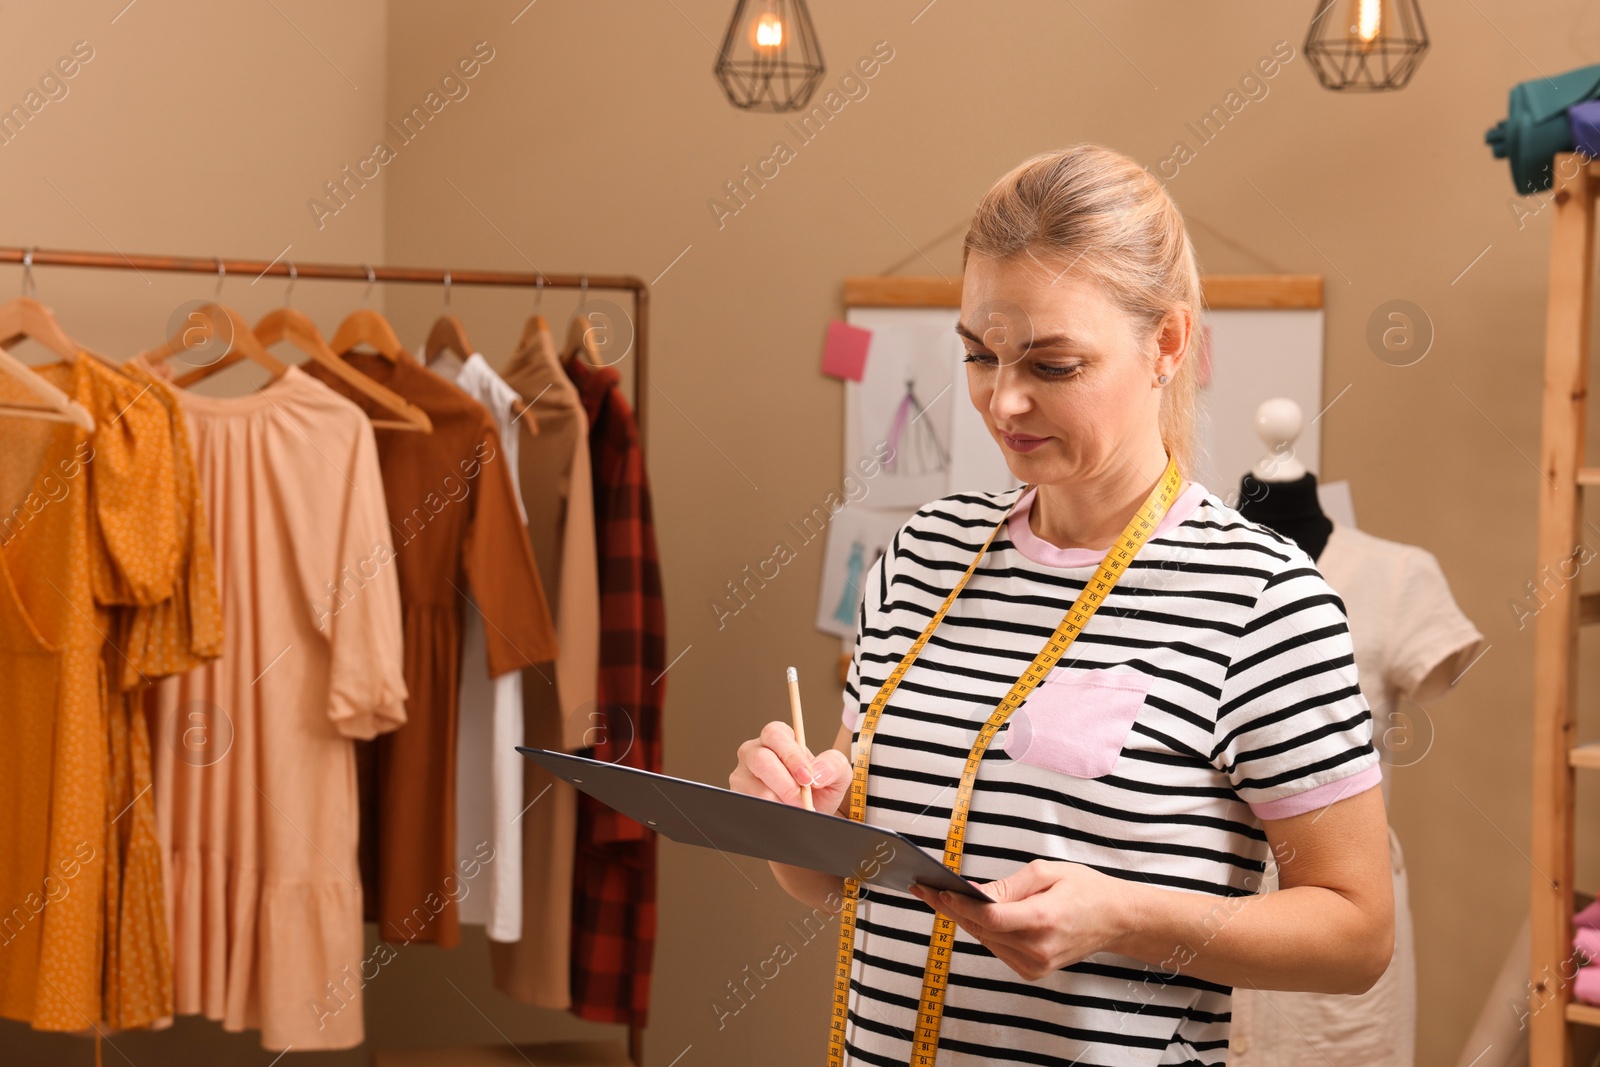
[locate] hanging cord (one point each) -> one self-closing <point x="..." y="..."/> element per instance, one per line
<point x="1194" y="220"/>
<point x="29" y="288"/>
<point x="894" y="267"/>
<point x="366" y="297"/>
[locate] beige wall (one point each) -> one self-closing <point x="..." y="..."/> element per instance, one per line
<point x="197" y="129"/>
<point x="593" y="140"/>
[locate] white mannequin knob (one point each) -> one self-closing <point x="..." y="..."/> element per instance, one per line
<point x="1279" y="422"/>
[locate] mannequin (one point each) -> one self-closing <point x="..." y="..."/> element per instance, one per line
<point x="1411" y="643"/>
<point x="1280" y="493"/>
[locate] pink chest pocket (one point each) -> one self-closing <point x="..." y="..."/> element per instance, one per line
<point x="1076" y="721"/>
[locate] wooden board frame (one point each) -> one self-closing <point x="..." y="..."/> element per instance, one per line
<point x="1222" y="291"/>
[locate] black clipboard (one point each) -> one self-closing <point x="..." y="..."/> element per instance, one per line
<point x="697" y="814"/>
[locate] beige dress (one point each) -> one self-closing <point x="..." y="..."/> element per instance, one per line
<point x="255" y="768"/>
<point x="558" y="700"/>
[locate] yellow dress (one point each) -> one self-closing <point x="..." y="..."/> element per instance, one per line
<point x="89" y="532"/>
<point x="182" y="632"/>
<point x="169" y="637"/>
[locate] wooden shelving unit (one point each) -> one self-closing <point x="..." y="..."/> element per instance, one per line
<point x="1562" y="1033"/>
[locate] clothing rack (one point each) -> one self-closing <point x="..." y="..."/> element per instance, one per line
<point x="361" y="272"/>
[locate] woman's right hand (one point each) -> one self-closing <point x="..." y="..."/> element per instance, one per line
<point x="774" y="766"/>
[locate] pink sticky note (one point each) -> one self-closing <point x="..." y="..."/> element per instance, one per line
<point x="845" y="355"/>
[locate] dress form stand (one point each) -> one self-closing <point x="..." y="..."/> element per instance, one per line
<point x="1279" y="492"/>
<point x="1411" y="642"/>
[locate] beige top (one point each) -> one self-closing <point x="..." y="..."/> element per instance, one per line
<point x="559" y="703"/>
<point x="254" y="758"/>
<point x="558" y="485"/>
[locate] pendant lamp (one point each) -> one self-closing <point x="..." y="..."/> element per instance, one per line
<point x="770" y="59"/>
<point x="1366" y="45"/>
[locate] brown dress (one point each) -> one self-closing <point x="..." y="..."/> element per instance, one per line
<point x="454" y="521"/>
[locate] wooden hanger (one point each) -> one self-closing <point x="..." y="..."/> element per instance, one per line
<point x="447" y="335"/>
<point x="25" y="317"/>
<point x="536" y="322"/>
<point x="531" y="329"/>
<point x="580" y="338"/>
<point x="364" y="326"/>
<point x="289" y="324"/>
<point x="215" y="321"/>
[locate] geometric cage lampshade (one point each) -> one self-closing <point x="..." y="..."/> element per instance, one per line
<point x="1366" y="45"/>
<point x="770" y="59"/>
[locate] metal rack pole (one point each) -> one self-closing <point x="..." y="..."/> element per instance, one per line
<point x="361" y="272"/>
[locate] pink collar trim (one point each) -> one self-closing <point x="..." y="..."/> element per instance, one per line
<point x="1039" y="550"/>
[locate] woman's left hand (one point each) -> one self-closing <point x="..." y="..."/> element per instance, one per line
<point x="1048" y="915"/>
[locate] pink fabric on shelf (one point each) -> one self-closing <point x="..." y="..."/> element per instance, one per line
<point x="1586" y="945"/>
<point x="1586" y="987"/>
<point x="1586" y="941"/>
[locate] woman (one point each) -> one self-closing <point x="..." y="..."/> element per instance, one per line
<point x="1122" y="817"/>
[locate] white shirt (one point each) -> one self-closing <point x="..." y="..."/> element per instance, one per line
<point x="489" y="728"/>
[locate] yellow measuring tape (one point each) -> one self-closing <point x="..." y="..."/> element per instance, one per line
<point x="941" y="946"/>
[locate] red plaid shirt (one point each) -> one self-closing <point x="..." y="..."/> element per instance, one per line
<point x="614" y="878"/>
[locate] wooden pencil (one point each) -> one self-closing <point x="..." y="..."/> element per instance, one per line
<point x="799" y="728"/>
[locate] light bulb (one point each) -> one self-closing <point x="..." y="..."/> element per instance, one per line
<point x="768" y="32"/>
<point x="1369" y="19"/>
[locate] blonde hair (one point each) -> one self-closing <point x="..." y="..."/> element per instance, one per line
<point x="1100" y="212"/>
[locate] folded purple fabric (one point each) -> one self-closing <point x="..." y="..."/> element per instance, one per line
<point x="1584" y="119"/>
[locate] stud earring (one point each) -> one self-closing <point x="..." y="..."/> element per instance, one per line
<point x="1162" y="379"/>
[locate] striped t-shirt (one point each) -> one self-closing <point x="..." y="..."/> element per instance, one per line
<point x="1214" y="687"/>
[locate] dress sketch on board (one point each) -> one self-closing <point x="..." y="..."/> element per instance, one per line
<point x="850" y="595"/>
<point x="915" y="450"/>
